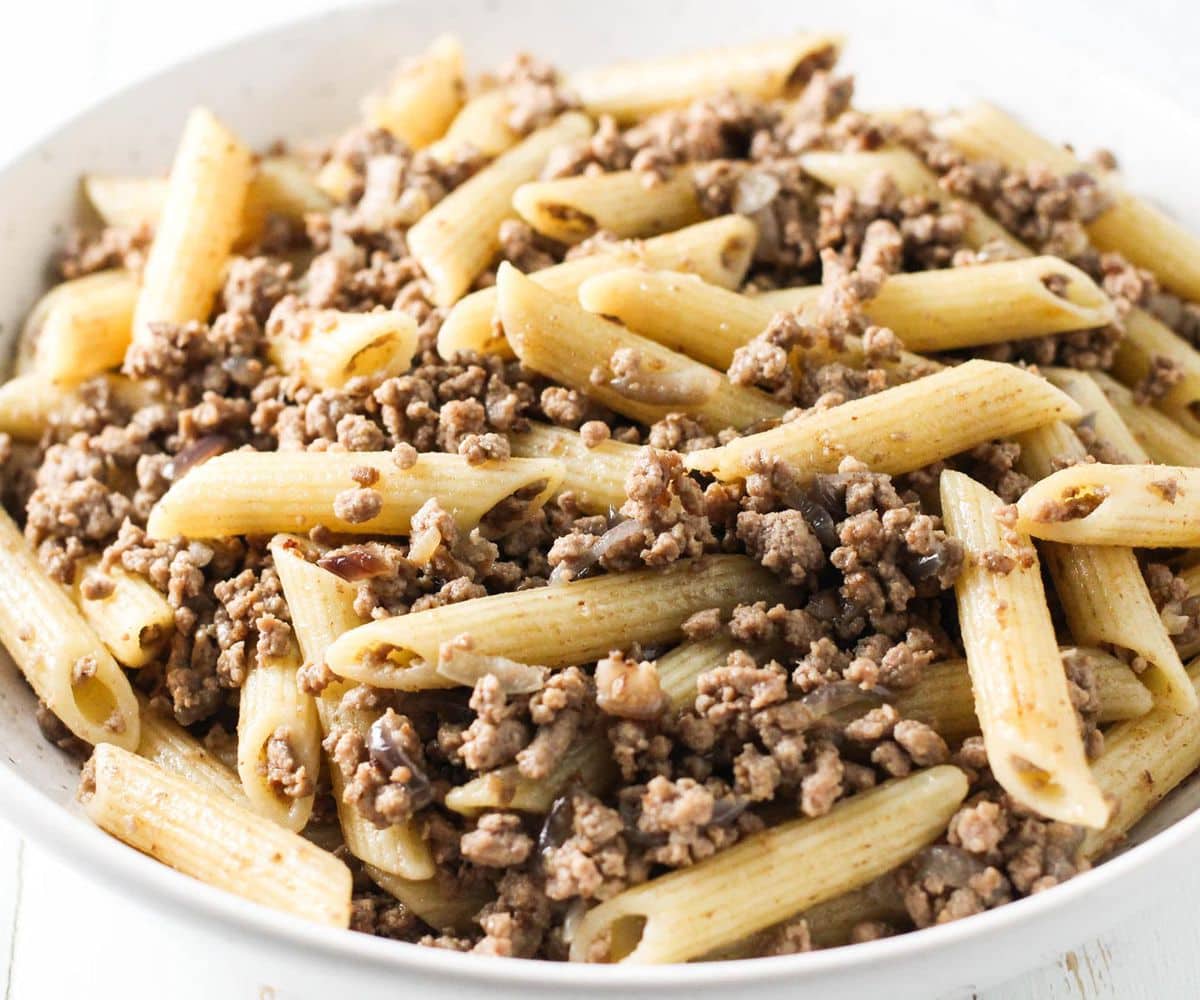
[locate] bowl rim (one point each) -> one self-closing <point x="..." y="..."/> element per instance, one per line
<point x="152" y="884"/>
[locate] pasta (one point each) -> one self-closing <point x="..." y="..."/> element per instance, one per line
<point x="1021" y="697"/>
<point x="424" y="96"/>
<point x="1156" y="437"/>
<point x="232" y="494"/>
<point x="718" y="250"/>
<point x="81" y="327"/>
<point x="1005" y="399"/>
<point x="330" y="348"/>
<point x="1097" y="395"/>
<point x="128" y="614"/>
<point x="1145" y="506"/>
<point x="166" y="744"/>
<point x="594" y="475"/>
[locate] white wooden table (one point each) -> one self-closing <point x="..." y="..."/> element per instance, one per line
<point x="60" y="935"/>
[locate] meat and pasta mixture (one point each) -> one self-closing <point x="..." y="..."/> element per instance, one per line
<point x="814" y="696"/>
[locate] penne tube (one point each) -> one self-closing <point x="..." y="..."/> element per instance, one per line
<point x="81" y="327"/>
<point x="911" y="177"/>
<point x="166" y="744"/>
<point x="905" y="427"/>
<point x="625" y="203"/>
<point x="262" y="492"/>
<point x="985" y="304"/>
<point x="557" y="625"/>
<point x="274" y="716"/>
<point x="127" y="202"/>
<point x="32" y="404"/>
<point x="943" y="698"/>
<point x="1158" y="438"/>
<point x="1140" y="506"/>
<point x="589" y="760"/>
<point x="718" y="250"/>
<point x="1029" y="728"/>
<point x="322" y="609"/>
<point x="627" y="373"/>
<point x="457" y="238"/>
<point x="765" y="70"/>
<point x="595" y="476"/>
<point x="1097" y="396"/>
<point x="1145" y="341"/>
<point x="133" y="619"/>
<point x="56" y="650"/>
<point x="440" y="901"/>
<point x="201" y="219"/>
<point x="773" y="874"/>
<point x="334" y="347"/>
<point x="480" y="125"/>
<point x="1100" y="587"/>
<point x="423" y="97"/>
<point x="211" y="838"/>
<point x="1143" y="760"/>
<point x="1131" y="226"/>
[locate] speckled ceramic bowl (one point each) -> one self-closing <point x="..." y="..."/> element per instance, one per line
<point x="305" y="80"/>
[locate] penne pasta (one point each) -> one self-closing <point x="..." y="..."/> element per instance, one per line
<point x="719" y="251"/>
<point x="1146" y="341"/>
<point x="902" y="428"/>
<point x="322" y="609"/>
<point x="557" y="625"/>
<point x="1024" y="707"/>
<point x="423" y="97"/>
<point x="1130" y="226"/>
<point x="260" y="492"/>
<point x="627" y="373"/>
<point x="457" y="238"/>
<point x="57" y="652"/>
<point x="169" y="746"/>
<point x="201" y="219"/>
<point x="81" y="327"/>
<point x="595" y="476"/>
<point x="772" y="875"/>
<point x="1156" y="436"/>
<point x="132" y="619"/>
<point x="328" y="348"/>
<point x="1142" y="506"/>
<point x="778" y="68"/>
<point x="32" y="404"/>
<point x="480" y="125"/>
<point x="625" y="203"/>
<point x="440" y="901"/>
<point x="211" y="838"/>
<point x="126" y="201"/>
<point x="1096" y="395"/>
<point x="1101" y="588"/>
<point x="275" y="719"/>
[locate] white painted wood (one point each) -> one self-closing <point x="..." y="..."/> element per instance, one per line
<point x="60" y="54"/>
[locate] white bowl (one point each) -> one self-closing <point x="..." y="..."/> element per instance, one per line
<point x="305" y="80"/>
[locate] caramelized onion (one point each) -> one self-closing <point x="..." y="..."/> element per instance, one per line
<point x="196" y="453"/>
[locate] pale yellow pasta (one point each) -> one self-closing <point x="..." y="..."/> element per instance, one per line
<point x="165" y="743"/>
<point x="556" y="625"/>
<point x="1132" y="226"/>
<point x="201" y="219"/>
<point x="31" y="404"/>
<point x="211" y="838"/>
<point x="1100" y="587"/>
<point x="441" y="901"/>
<point x="719" y="251"/>
<point x="773" y="874"/>
<point x="1097" y="396"/>
<point x="126" y="201"/>
<point x="1148" y="341"/>
<point x="457" y="238"/>
<point x="274" y="712"/>
<point x="1143" y="760"/>
<point x="777" y="68"/>
<point x="423" y="97"/>
<point x="595" y="476"/>
<point x="133" y="619"/>
<point x="627" y="373"/>
<point x="1021" y="695"/>
<point x="322" y="609"/>
<point x="859" y="170"/>
<point x="262" y="492"/>
<point x="80" y="327"/>
<point x="1157" y="437"/>
<point x="481" y="125"/>
<point x="1141" y="506"/>
<point x="329" y="348"/>
<point x="624" y="203"/>
<point x="905" y="427"/>
<point x="55" y="648"/>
